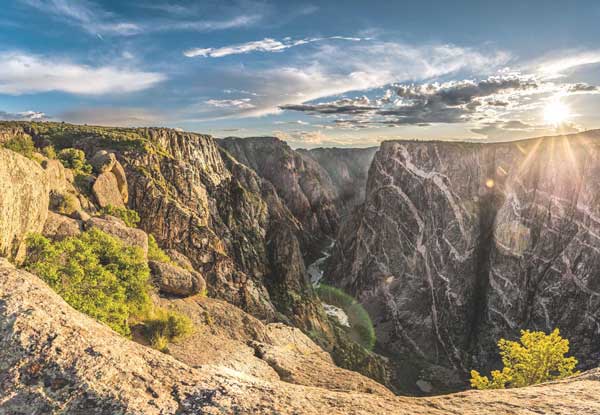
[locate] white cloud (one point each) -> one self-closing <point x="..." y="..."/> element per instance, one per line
<point x="556" y="67"/>
<point x="243" y="103"/>
<point x="265" y="45"/>
<point x="21" y="73"/>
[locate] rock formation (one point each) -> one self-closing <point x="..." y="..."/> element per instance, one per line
<point x="348" y="170"/>
<point x="460" y="244"/>
<point x="24" y="198"/>
<point x="57" y="360"/>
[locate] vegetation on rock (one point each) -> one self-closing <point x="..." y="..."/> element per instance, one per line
<point x="537" y="358"/>
<point x="73" y="158"/>
<point x="164" y="326"/>
<point x="22" y="144"/>
<point x="155" y="253"/>
<point x="129" y="216"/>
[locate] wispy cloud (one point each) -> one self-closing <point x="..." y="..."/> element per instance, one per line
<point x="265" y="45"/>
<point x="117" y="116"/>
<point x="556" y="67"/>
<point x="86" y="15"/>
<point x="97" y="21"/>
<point x="22" y="73"/>
<point x="243" y="103"/>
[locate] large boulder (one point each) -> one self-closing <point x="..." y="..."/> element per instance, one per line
<point x="106" y="190"/>
<point x="103" y="161"/>
<point x="117" y="228"/>
<point x="174" y="280"/>
<point x="119" y="173"/>
<point x="59" y="227"/>
<point x="24" y="200"/>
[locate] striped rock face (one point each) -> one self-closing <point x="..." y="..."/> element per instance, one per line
<point x="459" y="244"/>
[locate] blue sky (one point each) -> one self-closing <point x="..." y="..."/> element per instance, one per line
<point x="315" y="74"/>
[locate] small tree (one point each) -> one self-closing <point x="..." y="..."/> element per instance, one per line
<point x="537" y="358"/>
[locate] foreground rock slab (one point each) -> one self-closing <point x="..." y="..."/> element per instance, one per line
<point x="53" y="359"/>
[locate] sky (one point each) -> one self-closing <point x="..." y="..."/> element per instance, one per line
<point x="322" y="73"/>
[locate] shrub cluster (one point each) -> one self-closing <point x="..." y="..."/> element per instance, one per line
<point x="129" y="216"/>
<point x="73" y="158"/>
<point x="155" y="253"/>
<point x="165" y="326"/>
<point x="22" y="144"/>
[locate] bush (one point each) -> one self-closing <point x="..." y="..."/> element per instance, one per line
<point x="155" y="253"/>
<point x="165" y="326"/>
<point x="22" y="144"/>
<point x="65" y="203"/>
<point x="73" y="158"/>
<point x="96" y="274"/>
<point x="130" y="217"/>
<point x="49" y="152"/>
<point x="537" y="358"/>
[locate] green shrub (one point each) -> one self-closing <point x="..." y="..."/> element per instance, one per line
<point x="65" y="203"/>
<point x="96" y="274"/>
<point x="537" y="358"/>
<point x="361" y="328"/>
<point x="49" y="152"/>
<point x="129" y="216"/>
<point x="155" y="253"/>
<point x="166" y="326"/>
<point x="22" y="144"/>
<point x="73" y="158"/>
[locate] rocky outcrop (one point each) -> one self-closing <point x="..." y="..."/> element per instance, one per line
<point x="174" y="280"/>
<point x="348" y="169"/>
<point x="304" y="186"/>
<point x="24" y="197"/>
<point x="57" y="360"/>
<point x="59" y="227"/>
<point x="117" y="228"/>
<point x="106" y="191"/>
<point x="459" y="244"/>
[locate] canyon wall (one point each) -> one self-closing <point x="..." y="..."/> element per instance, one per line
<point x="459" y="244"/>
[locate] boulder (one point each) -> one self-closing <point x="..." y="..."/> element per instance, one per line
<point x="119" y="173"/>
<point x="103" y="161"/>
<point x="117" y="228"/>
<point x="106" y="190"/>
<point x="180" y="259"/>
<point x="24" y="196"/>
<point x="171" y="279"/>
<point x="59" y="227"/>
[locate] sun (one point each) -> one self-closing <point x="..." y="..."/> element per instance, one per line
<point x="556" y="113"/>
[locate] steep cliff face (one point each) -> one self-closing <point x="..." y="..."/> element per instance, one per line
<point x="348" y="170"/>
<point x="459" y="244"/>
<point x="304" y="186"/>
<point x="194" y="198"/>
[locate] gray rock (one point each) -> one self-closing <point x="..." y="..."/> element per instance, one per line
<point x="174" y="280"/>
<point x="106" y="190"/>
<point x="180" y="259"/>
<point x="117" y="228"/>
<point x="461" y="244"/>
<point x="24" y="197"/>
<point x="59" y="227"/>
<point x="103" y="161"/>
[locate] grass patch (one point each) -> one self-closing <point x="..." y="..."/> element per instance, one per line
<point x="155" y="253"/>
<point x="165" y="326"/>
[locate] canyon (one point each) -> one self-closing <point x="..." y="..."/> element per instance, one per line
<point x="448" y="246"/>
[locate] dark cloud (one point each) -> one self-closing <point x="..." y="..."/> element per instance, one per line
<point x="582" y="87"/>
<point x="413" y="104"/>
